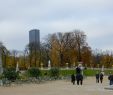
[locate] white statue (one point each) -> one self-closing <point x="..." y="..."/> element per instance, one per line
<point x="49" y="64"/>
<point x="102" y="68"/>
<point x="17" y="67"/>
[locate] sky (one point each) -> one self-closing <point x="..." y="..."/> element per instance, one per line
<point x="93" y="17"/>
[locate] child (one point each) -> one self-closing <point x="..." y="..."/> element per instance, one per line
<point x="73" y="79"/>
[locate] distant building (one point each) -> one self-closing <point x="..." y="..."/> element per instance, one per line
<point x="34" y="38"/>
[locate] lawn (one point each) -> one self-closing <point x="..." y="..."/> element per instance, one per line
<point x="67" y="72"/>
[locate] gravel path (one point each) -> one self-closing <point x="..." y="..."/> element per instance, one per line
<point x="60" y="87"/>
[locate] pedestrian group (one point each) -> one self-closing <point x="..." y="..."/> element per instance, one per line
<point x="79" y="77"/>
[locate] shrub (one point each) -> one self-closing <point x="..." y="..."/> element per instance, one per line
<point x="10" y="74"/>
<point x="1" y="76"/>
<point x="54" y="72"/>
<point x="34" y="72"/>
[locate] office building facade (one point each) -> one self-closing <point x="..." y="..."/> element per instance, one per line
<point x="34" y="38"/>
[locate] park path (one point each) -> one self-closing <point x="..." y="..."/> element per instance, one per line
<point x="60" y="87"/>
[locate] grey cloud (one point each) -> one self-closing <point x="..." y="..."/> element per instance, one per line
<point x="19" y="16"/>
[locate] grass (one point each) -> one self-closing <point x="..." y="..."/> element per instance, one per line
<point x="88" y="72"/>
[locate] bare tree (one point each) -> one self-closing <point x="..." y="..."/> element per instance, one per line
<point x="14" y="56"/>
<point x="34" y="54"/>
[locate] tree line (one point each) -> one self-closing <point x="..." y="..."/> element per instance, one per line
<point x="61" y="49"/>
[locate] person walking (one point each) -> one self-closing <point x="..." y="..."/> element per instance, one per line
<point x="101" y="77"/>
<point x="79" y="76"/>
<point x="78" y="70"/>
<point x="110" y="78"/>
<point x="73" y="79"/>
<point x="79" y="79"/>
<point x="97" y="77"/>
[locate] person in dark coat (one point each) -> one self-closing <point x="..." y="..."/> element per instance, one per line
<point x="79" y="79"/>
<point x="79" y="76"/>
<point x="97" y="77"/>
<point x="101" y="77"/>
<point x="73" y="79"/>
<point x="78" y="70"/>
<point x="110" y="78"/>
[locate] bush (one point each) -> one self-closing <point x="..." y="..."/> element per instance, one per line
<point x="34" y="72"/>
<point x="1" y="76"/>
<point x="54" y="72"/>
<point x="10" y="74"/>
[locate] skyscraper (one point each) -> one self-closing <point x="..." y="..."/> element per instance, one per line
<point x="34" y="38"/>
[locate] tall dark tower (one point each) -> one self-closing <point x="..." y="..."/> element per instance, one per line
<point x="34" y="38"/>
<point x="34" y="45"/>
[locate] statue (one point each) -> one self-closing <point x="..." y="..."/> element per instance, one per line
<point x="49" y="64"/>
<point x="102" y="70"/>
<point x="17" y="67"/>
<point x="67" y="66"/>
<point x="41" y="65"/>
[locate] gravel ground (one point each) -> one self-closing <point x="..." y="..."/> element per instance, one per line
<point x="59" y="87"/>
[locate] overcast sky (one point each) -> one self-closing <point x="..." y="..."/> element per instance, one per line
<point x="94" y="17"/>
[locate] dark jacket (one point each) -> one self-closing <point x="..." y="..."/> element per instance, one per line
<point x="78" y="70"/>
<point x="101" y="76"/>
<point x="79" y="77"/>
<point x="72" y="77"/>
<point x="110" y="77"/>
<point x="97" y="76"/>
